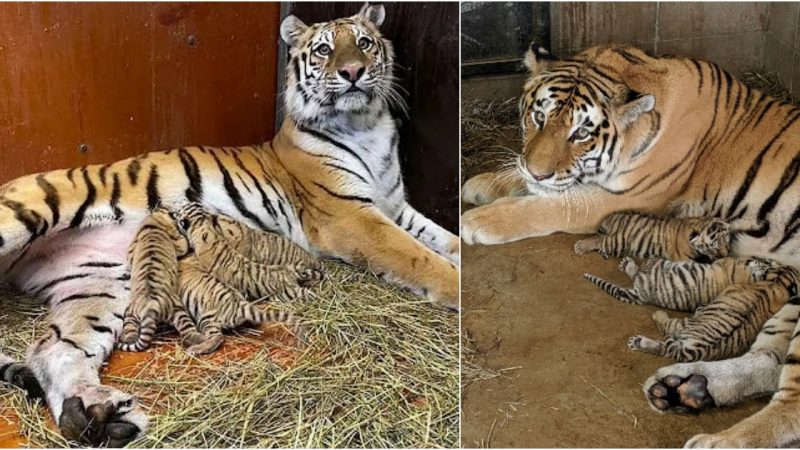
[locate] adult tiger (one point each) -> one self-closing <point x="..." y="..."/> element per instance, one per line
<point x="615" y="129"/>
<point x="330" y="181"/>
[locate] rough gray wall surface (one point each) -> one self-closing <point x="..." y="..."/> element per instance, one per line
<point x="782" y="44"/>
<point x="731" y="34"/>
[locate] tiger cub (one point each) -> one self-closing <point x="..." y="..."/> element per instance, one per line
<point x="295" y="268"/>
<point x="152" y="257"/>
<point x="727" y="326"/>
<point x="198" y="300"/>
<point x="683" y="285"/>
<point x="635" y="234"/>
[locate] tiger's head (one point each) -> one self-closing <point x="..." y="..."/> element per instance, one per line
<point x="339" y="67"/>
<point x="576" y="116"/>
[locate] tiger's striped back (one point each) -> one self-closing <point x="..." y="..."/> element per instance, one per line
<point x="153" y="259"/>
<point x="634" y="234"/>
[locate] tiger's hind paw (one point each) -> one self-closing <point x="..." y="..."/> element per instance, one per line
<point x="679" y="395"/>
<point x="102" y="416"/>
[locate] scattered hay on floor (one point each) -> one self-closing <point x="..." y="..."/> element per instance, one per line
<point x="380" y="369"/>
<point x="490" y="134"/>
<point x="768" y="83"/>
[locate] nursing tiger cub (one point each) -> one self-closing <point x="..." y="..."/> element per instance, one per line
<point x="682" y="286"/>
<point x="170" y="283"/>
<point x="614" y="129"/>
<point x="330" y="181"/>
<point x="726" y="326"/>
<point x="634" y="234"/>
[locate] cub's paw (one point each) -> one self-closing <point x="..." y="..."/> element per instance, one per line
<point x="309" y="276"/>
<point x="678" y="394"/>
<point x="102" y="416"/>
<point x="207" y="346"/>
<point x="585" y="246"/>
<point x="629" y="266"/>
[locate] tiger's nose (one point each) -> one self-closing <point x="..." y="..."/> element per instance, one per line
<point x="541" y="177"/>
<point x="351" y="72"/>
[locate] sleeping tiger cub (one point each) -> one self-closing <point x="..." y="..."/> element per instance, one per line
<point x="634" y="234"/>
<point x="683" y="285"/>
<point x="171" y="282"/>
<point x="727" y="326"/>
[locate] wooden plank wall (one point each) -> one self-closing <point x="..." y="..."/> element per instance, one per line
<point x="96" y="82"/>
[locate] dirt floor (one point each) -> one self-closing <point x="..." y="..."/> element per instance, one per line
<point x="567" y="376"/>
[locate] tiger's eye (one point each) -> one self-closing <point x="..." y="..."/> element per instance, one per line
<point x="323" y="50"/>
<point x="364" y="43"/>
<point x="581" y="133"/>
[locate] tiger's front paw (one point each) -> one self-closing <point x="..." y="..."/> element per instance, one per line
<point x="714" y="441"/>
<point x="491" y="224"/>
<point x="478" y="189"/>
<point x="102" y="416"/>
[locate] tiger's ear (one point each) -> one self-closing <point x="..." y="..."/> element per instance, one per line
<point x="536" y="58"/>
<point x="629" y="112"/>
<point x="291" y="30"/>
<point x="373" y="13"/>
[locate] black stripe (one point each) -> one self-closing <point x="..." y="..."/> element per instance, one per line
<point x="115" y="194"/>
<point x="153" y="199"/>
<point x="58" y="281"/>
<point x="787" y="179"/>
<point x="100" y="264"/>
<point x="50" y="197"/>
<point x="345" y="169"/>
<point x="234" y="195"/>
<point x="194" y="192"/>
<point x="74" y="344"/>
<point x="29" y="218"/>
<point x="101" y="329"/>
<point x="91" y="194"/>
<point x="85" y="296"/>
<point x="753" y="170"/>
<point x="133" y="170"/>
<point x="344" y="196"/>
<point x="336" y="143"/>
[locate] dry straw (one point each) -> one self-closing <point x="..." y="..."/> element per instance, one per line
<point x="379" y="369"/>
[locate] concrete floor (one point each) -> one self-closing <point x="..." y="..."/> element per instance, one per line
<point x="571" y="380"/>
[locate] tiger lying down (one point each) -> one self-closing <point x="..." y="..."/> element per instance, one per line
<point x="197" y="271"/>
<point x="330" y="181"/>
<point x="613" y="129"/>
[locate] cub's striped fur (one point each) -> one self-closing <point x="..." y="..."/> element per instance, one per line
<point x="171" y="283"/>
<point x="684" y="285"/>
<point x="634" y="234"/>
<point x="153" y="258"/>
<point x="727" y="326"/>
<point x="252" y="278"/>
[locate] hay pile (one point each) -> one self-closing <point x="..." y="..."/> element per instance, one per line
<point x="380" y="369"/>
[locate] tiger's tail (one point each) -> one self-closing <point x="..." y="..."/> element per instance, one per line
<point x="19" y="375"/>
<point x="621" y="294"/>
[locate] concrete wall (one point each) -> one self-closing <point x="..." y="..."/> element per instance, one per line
<point x="740" y="36"/>
<point x="782" y="44"/>
<point x="731" y="34"/>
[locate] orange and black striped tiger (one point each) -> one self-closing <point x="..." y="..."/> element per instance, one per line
<point x="615" y="129"/>
<point x="330" y="181"/>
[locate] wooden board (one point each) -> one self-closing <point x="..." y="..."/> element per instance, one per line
<point x="97" y="82"/>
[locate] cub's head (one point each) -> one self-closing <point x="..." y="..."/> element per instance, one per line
<point x="710" y="240"/>
<point x="576" y="117"/>
<point x="341" y="66"/>
<point x="196" y="224"/>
